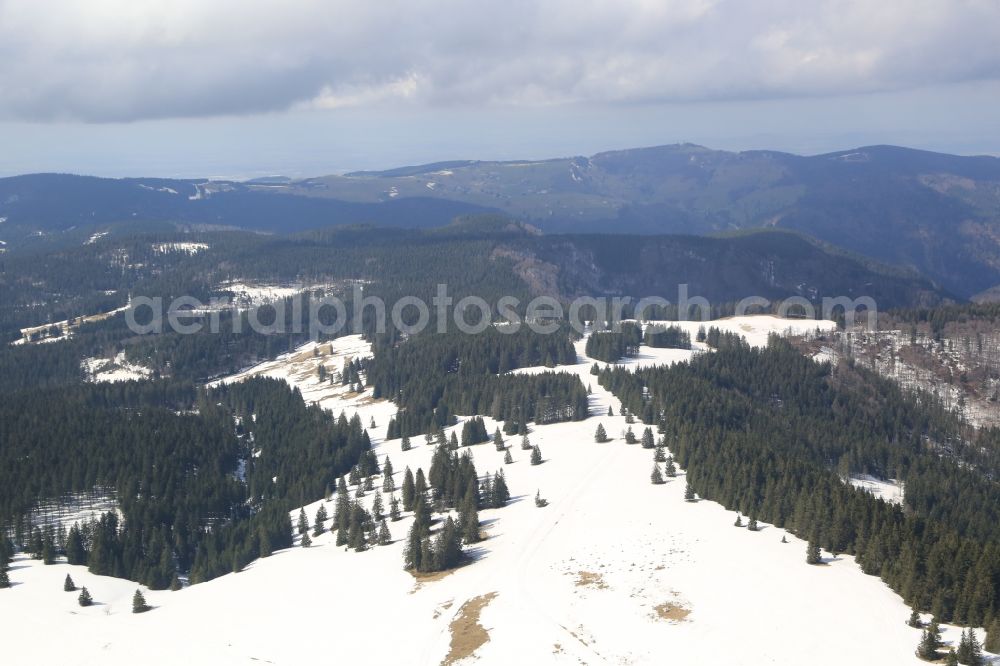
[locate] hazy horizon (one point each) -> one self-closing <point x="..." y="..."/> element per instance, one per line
<point x="238" y="90"/>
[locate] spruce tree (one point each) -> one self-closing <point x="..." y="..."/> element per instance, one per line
<point x="600" y="436"/>
<point x="752" y="525"/>
<point x="952" y="658"/>
<point x="813" y="555"/>
<point x="525" y="443"/>
<point x="914" y="620"/>
<point x="303" y="521"/>
<point x="393" y="508"/>
<point x="647" y="438"/>
<point x="739" y="521"/>
<point x="507" y="458"/>
<point x="4" y="579"/>
<point x="539" y="501"/>
<point x="671" y="469"/>
<point x="84" y="599"/>
<point x="656" y="477"/>
<point x="263" y="543"/>
<point x="970" y="652"/>
<point x="660" y="455"/>
<point x="388" y="484"/>
<point x="930" y="641"/>
<point x="139" y="602"/>
<point x="536" y="455"/>
<point x="992" y="642"/>
<point x="404" y="444"/>
<point x="68" y="584"/>
<point x="384" y="537"/>
<point x="407" y="490"/>
<point x="319" y="525"/>
<point x="306" y="541"/>
<point x="420" y="483"/>
<point x="630" y="436"/>
<point x="498" y="440"/>
<point x="611" y="411"/>
<point x="48" y="549"/>
<point x="412" y="552"/>
<point x="453" y="442"/>
<point x="689" y="495"/>
<point x="377" y="506"/>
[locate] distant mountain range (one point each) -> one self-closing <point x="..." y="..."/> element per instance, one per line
<point x="937" y="214"/>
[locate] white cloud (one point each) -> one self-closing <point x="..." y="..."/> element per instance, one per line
<point x="115" y="60"/>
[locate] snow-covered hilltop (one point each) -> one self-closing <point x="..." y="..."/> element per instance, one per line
<point x="615" y="570"/>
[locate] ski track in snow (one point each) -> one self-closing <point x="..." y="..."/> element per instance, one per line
<point x="751" y="599"/>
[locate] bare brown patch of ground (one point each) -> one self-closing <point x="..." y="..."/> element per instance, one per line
<point x="671" y="611"/>
<point x="467" y="634"/>
<point x="590" y="579"/>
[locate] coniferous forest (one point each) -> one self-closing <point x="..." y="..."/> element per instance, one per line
<point x="771" y="434"/>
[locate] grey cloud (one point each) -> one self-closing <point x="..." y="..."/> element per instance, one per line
<point x="116" y="60"/>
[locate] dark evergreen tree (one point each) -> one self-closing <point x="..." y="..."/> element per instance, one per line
<point x="600" y="436"/>
<point x="405" y="444"/>
<point x="689" y="495"/>
<point x="525" y="443"/>
<point x="536" y="455"/>
<point x="407" y="491"/>
<point x="671" y="469"/>
<point x="752" y="525"/>
<point x="306" y="540"/>
<point x="4" y="579"/>
<point x="539" y="500"/>
<point x="393" y="508"/>
<point x="930" y="642"/>
<point x="630" y="436"/>
<point x="139" y="602"/>
<point x="263" y="544"/>
<point x="75" y="553"/>
<point x="992" y="642"/>
<point x="68" y="584"/>
<point x="388" y="483"/>
<point x="656" y="477"/>
<point x="969" y="652"/>
<point x="84" y="598"/>
<point x="420" y="484"/>
<point x="377" y="507"/>
<point x="611" y="411"/>
<point x="303" y="521"/>
<point x="739" y="521"/>
<point x="647" y="438"/>
<point x="813" y="555"/>
<point x="914" y="620"/>
<point x="498" y="440"/>
<point x="384" y="537"/>
<point x="319" y="524"/>
<point x="507" y="457"/>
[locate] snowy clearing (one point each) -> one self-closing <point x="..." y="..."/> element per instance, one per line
<point x="117" y="369"/>
<point x="187" y="248"/>
<point x="891" y="491"/>
<point x="614" y="570"/>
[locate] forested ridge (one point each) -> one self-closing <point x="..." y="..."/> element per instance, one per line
<point x="436" y="376"/>
<point x="773" y="435"/>
<point x="194" y="497"/>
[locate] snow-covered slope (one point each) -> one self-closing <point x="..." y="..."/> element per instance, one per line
<point x="614" y="570"/>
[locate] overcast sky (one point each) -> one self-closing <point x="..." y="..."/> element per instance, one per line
<point x="241" y="88"/>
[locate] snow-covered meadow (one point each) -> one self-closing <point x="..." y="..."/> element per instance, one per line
<point x="614" y="570"/>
